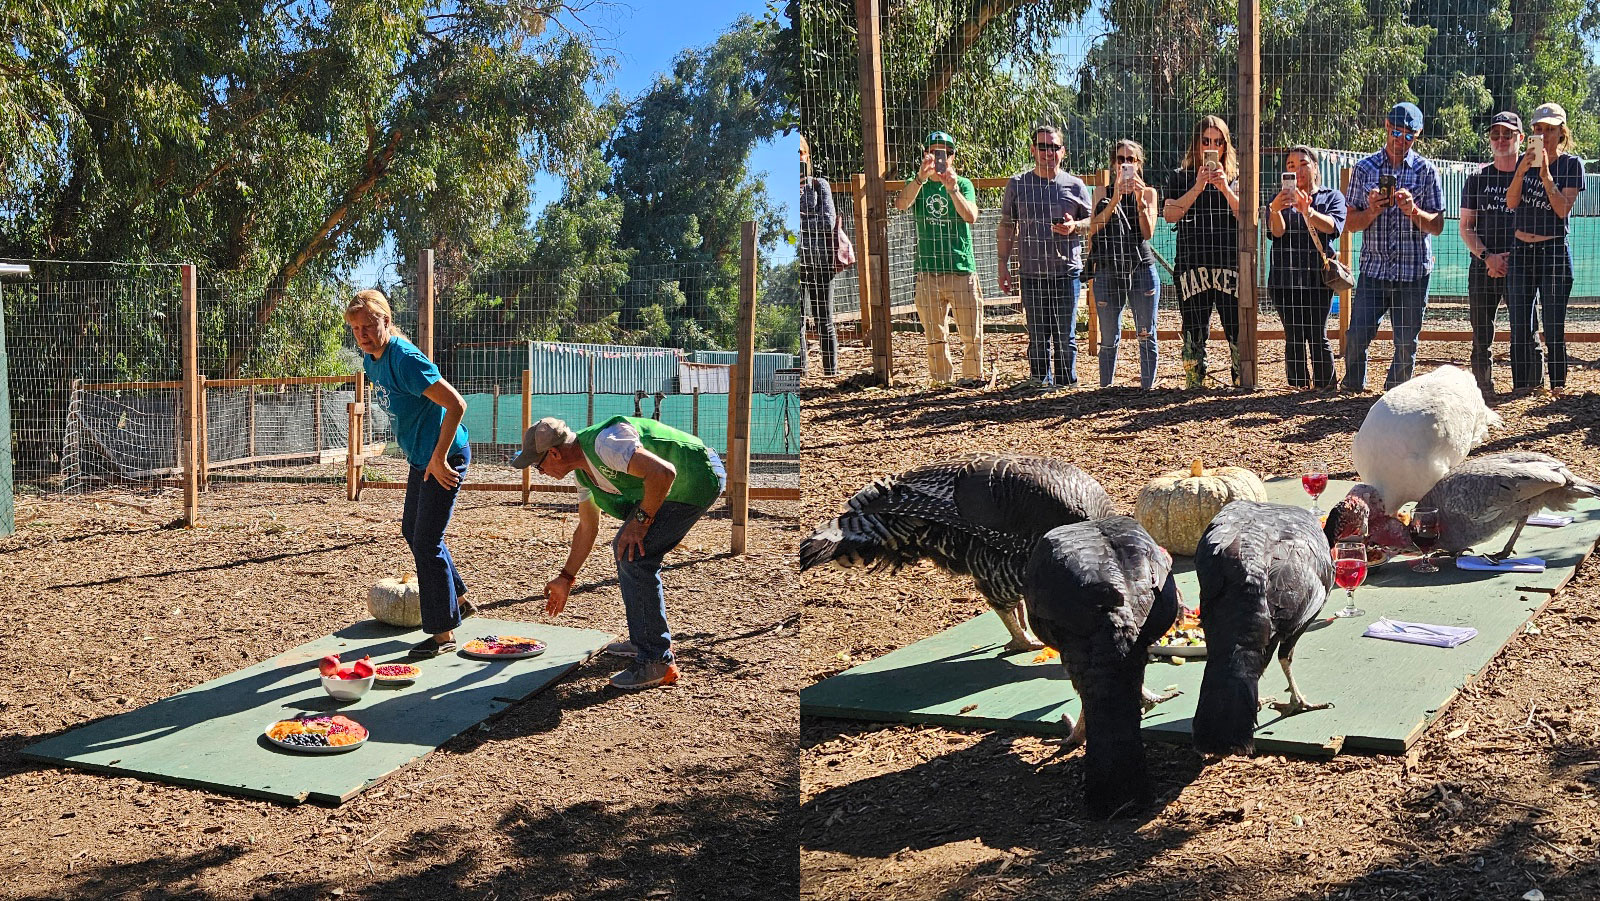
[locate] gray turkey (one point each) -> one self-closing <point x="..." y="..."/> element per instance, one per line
<point x="1483" y="495"/>
<point x="1265" y="571"/>
<point x="978" y="515"/>
<point x="1101" y="593"/>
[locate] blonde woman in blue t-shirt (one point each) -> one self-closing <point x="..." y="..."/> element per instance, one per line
<point x="425" y="413"/>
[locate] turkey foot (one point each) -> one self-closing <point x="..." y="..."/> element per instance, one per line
<point x="1150" y="699"/>
<point x="1020" y="639"/>
<point x="1297" y="702"/>
<point x="1505" y="552"/>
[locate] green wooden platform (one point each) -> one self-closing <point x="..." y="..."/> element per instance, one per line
<point x="210" y="736"/>
<point x="1385" y="693"/>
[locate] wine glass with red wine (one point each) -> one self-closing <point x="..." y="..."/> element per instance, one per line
<point x="1349" y="571"/>
<point x="1425" y="532"/>
<point x="1314" y="479"/>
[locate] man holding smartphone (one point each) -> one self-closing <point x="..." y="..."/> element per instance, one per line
<point x="1396" y="199"/>
<point x="945" y="207"/>
<point x="1487" y="230"/>
<point x="1043" y="217"/>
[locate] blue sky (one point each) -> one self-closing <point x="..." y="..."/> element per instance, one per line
<point x="643" y="37"/>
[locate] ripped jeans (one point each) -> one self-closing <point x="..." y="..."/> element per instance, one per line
<point x="1139" y="290"/>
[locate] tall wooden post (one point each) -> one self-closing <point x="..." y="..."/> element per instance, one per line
<point x="527" y="423"/>
<point x="189" y="459"/>
<point x="739" y="399"/>
<point x="1249" y="184"/>
<point x="590" y="414"/>
<point x="8" y="516"/>
<point x="874" y="264"/>
<point x="425" y="304"/>
<point x="1346" y="256"/>
<point x="354" y="413"/>
<point x="1103" y="177"/>
<point x="205" y="438"/>
<point x="858" y="213"/>
<point x="250" y="414"/>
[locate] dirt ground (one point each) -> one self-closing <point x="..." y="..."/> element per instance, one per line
<point x="687" y="791"/>
<point x="1500" y="797"/>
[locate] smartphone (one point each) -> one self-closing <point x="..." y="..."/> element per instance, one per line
<point x="1058" y="220"/>
<point x="1211" y="159"/>
<point x="1288" y="180"/>
<point x="1128" y="172"/>
<point x="1386" y="185"/>
<point x="1536" y="144"/>
<point x="941" y="160"/>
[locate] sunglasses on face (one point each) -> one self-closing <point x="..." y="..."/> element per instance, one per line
<point x="1127" y="159"/>
<point x="1501" y="135"/>
<point x="1213" y="142"/>
<point x="1409" y="136"/>
<point x="1047" y="148"/>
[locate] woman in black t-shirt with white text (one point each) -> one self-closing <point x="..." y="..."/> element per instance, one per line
<point x="1204" y="205"/>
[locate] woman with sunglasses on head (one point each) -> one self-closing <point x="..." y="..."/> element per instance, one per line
<point x="1541" y="197"/>
<point x="816" y="258"/>
<point x="1204" y="206"/>
<point x="1124" y="264"/>
<point x="1304" y="220"/>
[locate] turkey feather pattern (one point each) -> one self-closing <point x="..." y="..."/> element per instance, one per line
<point x="1485" y="494"/>
<point x="1101" y="593"/>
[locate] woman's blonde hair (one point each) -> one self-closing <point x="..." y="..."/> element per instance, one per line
<point x="1314" y="157"/>
<point x="1229" y="158"/>
<point x="372" y="301"/>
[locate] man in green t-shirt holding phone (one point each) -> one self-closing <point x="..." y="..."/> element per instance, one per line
<point x="659" y="481"/>
<point x="946" y="207"/>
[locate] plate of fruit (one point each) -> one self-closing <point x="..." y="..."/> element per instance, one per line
<point x="321" y="734"/>
<point x="396" y="673"/>
<point x="1184" y="639"/>
<point x="503" y="647"/>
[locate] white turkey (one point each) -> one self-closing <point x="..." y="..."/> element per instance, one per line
<point x="1417" y="431"/>
<point x="1485" y="494"/>
<point x="1265" y="571"/>
<point x="979" y="515"/>
<point x="1101" y="593"/>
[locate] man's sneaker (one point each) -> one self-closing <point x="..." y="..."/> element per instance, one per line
<point x="623" y="648"/>
<point x="646" y="675"/>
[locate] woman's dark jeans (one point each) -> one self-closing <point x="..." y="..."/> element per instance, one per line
<point x="817" y="285"/>
<point x="427" y="513"/>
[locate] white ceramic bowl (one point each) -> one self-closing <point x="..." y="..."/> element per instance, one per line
<point x="346" y="689"/>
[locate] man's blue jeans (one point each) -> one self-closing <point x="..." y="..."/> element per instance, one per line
<point x="1406" y="303"/>
<point x="644" y="599"/>
<point x="427" y="513"/>
<point x="1050" y="310"/>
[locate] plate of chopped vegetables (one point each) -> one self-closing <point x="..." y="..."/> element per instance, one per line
<point x="325" y="734"/>
<point x="1184" y="639"/>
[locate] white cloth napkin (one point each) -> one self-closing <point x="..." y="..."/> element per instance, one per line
<point x="1420" y="633"/>
<point x="1508" y="565"/>
<point x="1552" y="520"/>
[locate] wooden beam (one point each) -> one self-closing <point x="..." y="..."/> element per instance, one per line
<point x="858" y="212"/>
<point x="425" y="303"/>
<point x="741" y="384"/>
<point x="1249" y="138"/>
<point x="190" y="326"/>
<point x="869" y="60"/>
<point x="352" y="461"/>
<point x="756" y="493"/>
<point x="205" y="438"/>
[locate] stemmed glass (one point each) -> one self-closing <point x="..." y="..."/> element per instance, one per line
<point x="1314" y="479"/>
<point x="1349" y="571"/>
<point x="1425" y="532"/>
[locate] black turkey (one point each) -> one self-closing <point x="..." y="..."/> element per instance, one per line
<point x="1101" y="593"/>
<point x="978" y="515"/>
<point x="1265" y="571"/>
<point x="1482" y="495"/>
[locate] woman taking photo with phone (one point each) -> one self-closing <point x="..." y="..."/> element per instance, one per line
<point x="1543" y="191"/>
<point x="1124" y="219"/>
<point x="1204" y="205"/>
<point x="1305" y="218"/>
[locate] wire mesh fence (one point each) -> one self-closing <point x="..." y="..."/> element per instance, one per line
<point x="1078" y="133"/>
<point x="96" y="370"/>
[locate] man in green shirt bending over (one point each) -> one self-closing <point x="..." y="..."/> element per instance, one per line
<point x="946" y="206"/>
<point x="659" y="482"/>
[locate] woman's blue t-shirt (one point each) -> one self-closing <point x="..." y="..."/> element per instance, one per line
<point x="399" y="377"/>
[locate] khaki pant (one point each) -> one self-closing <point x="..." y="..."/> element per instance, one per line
<point x="938" y="295"/>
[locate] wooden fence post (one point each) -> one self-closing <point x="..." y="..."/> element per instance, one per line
<point x="191" y="394"/>
<point x="316" y="417"/>
<point x="1346" y="255"/>
<point x="1102" y="177"/>
<point x="870" y="65"/>
<point x="205" y="438"/>
<point x="694" y="421"/>
<point x="739" y="398"/>
<point x="425" y="303"/>
<point x="1249" y="185"/>
<point x="352" y="462"/>
<point x="527" y="423"/>
<point x="590" y="414"/>
<point x="250" y="414"/>
<point x="858" y="212"/>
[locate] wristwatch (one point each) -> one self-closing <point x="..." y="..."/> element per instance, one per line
<point x="1483" y="255"/>
<point x="642" y="517"/>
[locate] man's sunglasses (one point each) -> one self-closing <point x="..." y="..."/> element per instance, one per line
<point x="1409" y="136"/>
<point x="1048" y="148"/>
<point x="1502" y="135"/>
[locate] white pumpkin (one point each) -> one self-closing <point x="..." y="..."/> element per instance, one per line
<point x="1176" y="507"/>
<point x="396" y="602"/>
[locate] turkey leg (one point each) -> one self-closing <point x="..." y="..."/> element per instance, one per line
<point x="1297" y="702"/>
<point x="1020" y="639"/>
<point x="1505" y="552"/>
<point x="1151" y="699"/>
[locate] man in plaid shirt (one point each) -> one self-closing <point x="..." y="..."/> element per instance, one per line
<point x="1396" y="199"/>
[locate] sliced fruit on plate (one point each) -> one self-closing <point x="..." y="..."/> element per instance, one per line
<point x="396" y="672"/>
<point x="503" y="644"/>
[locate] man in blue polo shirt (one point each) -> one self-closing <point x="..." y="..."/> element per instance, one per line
<point x="1396" y="199"/>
